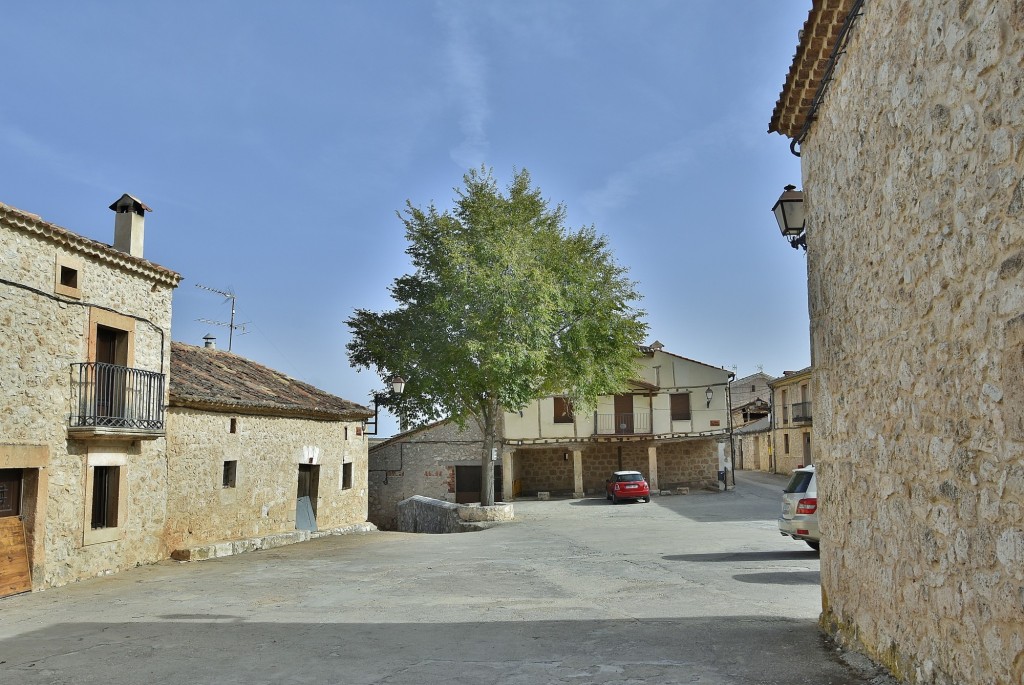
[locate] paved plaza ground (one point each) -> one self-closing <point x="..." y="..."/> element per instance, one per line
<point x="698" y="588"/>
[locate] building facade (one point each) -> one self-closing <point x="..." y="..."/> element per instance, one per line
<point x="671" y="424"/>
<point x="908" y="120"/>
<point x="84" y="360"/>
<point x="252" y="452"/>
<point x="791" y="421"/>
<point x="440" y="460"/>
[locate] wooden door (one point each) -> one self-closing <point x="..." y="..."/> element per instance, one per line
<point x="15" y="576"/>
<point x="624" y="414"/>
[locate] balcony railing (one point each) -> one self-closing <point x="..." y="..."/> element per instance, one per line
<point x="114" y="398"/>
<point x="801" y="412"/>
<point x="622" y="424"/>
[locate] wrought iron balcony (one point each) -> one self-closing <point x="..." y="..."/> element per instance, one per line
<point x="802" y="412"/>
<point x="622" y="424"/>
<point x="109" y="399"/>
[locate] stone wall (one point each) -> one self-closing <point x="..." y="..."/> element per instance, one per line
<point x="756" y="451"/>
<point x="545" y="470"/>
<point x="913" y="182"/>
<point x="420" y="462"/>
<point x="691" y="463"/>
<point x="267" y="451"/>
<point x="44" y="334"/>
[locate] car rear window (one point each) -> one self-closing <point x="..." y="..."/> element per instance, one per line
<point x="629" y="477"/>
<point x="799" y="481"/>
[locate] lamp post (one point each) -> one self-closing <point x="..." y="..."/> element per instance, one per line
<point x="789" y="212"/>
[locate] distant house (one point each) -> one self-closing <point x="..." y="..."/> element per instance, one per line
<point x="671" y="423"/>
<point x="252" y="452"/>
<point x="792" y="420"/>
<point x="84" y="358"/>
<point x="439" y="460"/>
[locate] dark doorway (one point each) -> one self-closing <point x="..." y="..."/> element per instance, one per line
<point x="624" y="414"/>
<point x="111" y="380"/>
<point x="10" y="492"/>
<point x="306" y="495"/>
<point x="468" y="480"/>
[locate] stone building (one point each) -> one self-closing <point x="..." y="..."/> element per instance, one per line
<point x="909" y="119"/>
<point x="671" y="424"/>
<point x="440" y="460"/>
<point x="252" y="453"/>
<point x="752" y="445"/>
<point x="84" y="358"/>
<point x="791" y="421"/>
<point x="750" y="398"/>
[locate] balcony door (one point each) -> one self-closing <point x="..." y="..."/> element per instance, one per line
<point x="624" y="414"/>
<point x="112" y="353"/>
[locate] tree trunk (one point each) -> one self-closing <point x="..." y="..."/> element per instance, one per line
<point x="486" y="464"/>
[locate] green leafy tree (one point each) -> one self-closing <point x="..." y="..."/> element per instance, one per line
<point x="504" y="306"/>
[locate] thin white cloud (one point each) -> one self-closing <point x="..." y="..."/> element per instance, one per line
<point x="468" y="84"/>
<point x="620" y="187"/>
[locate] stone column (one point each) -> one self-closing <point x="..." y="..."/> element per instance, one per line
<point x="652" y="467"/>
<point x="506" y="475"/>
<point x="577" y="474"/>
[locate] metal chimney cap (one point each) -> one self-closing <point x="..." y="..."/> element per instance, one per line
<point x="129" y="203"/>
<point x="210" y="341"/>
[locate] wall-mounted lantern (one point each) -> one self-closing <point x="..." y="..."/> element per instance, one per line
<point x="789" y="212"/>
<point x="397" y="387"/>
<point x="709" y="394"/>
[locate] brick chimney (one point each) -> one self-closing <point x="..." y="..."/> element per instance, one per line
<point x="129" y="224"/>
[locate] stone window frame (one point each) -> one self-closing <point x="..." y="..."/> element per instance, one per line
<point x="105" y="456"/>
<point x="61" y="266"/>
<point x="346" y="475"/>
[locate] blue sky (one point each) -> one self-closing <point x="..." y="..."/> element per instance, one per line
<point x="276" y="141"/>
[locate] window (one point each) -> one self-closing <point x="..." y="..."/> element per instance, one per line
<point x="680" y="404"/>
<point x="230" y="471"/>
<point x="346" y="476"/>
<point x="233" y="427"/>
<point x="785" y="409"/>
<point x="105" y="482"/>
<point x="563" y="410"/>
<point x="785" y="443"/>
<point x="346" y="432"/>
<point x="105" y="511"/>
<point x="67" y="280"/>
<point x="753" y="388"/>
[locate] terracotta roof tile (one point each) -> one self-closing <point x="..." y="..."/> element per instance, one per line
<point x="207" y="378"/>
<point x="819" y="36"/>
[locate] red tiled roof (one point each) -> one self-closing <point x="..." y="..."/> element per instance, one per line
<point x="207" y="378"/>
<point x="818" y="39"/>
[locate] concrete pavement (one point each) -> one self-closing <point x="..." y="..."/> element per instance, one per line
<point x="686" y="589"/>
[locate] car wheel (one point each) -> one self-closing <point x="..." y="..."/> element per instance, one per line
<point x="813" y="545"/>
<point x="615" y="500"/>
<point x="647" y="499"/>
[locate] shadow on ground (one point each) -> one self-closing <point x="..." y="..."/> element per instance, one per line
<point x="182" y="648"/>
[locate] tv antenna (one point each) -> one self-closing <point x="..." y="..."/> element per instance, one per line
<point x="231" y="326"/>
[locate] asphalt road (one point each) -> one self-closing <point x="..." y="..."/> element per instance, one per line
<point x="686" y="589"/>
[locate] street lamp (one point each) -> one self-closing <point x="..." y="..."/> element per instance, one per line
<point x="789" y="212"/>
<point x="397" y="387"/>
<point x="709" y="394"/>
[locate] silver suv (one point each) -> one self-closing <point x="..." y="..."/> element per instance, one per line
<point x="799" y="518"/>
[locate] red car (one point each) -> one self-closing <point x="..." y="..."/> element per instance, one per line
<point x="627" y="485"/>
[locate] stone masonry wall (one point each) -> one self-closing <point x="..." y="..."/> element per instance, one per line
<point x="545" y="469"/>
<point x="44" y="334"/>
<point x="267" y="451"/>
<point x="913" y="179"/>
<point x="421" y="463"/>
<point x="691" y="463"/>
